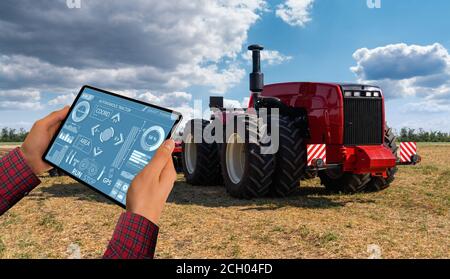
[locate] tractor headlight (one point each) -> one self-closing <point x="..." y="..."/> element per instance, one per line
<point x="376" y="94"/>
<point x="368" y="94"/>
<point x="415" y="159"/>
<point x="348" y="94"/>
<point x="318" y="163"/>
<point x="357" y="94"/>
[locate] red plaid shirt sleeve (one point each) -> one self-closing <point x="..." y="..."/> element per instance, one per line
<point x="134" y="238"/>
<point x="16" y="179"/>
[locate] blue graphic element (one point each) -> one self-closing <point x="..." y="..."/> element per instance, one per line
<point x="107" y="140"/>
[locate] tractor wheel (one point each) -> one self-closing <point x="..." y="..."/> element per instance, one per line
<point x="55" y="172"/>
<point x="336" y="181"/>
<point x="381" y="183"/>
<point x="246" y="172"/>
<point x="200" y="161"/>
<point x="177" y="163"/>
<point x="290" y="159"/>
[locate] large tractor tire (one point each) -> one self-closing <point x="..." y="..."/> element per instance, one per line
<point x="55" y="172"/>
<point x="290" y="159"/>
<point x="246" y="172"/>
<point x="381" y="183"/>
<point x="200" y="161"/>
<point x="336" y="181"/>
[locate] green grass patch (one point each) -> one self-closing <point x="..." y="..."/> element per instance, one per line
<point x="10" y="218"/>
<point x="2" y="247"/>
<point x="445" y="175"/>
<point x="432" y="143"/>
<point x="428" y="169"/>
<point x="49" y="221"/>
<point x="10" y="143"/>
<point x="323" y="239"/>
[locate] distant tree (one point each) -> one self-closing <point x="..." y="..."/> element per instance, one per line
<point x="12" y="135"/>
<point x="420" y="135"/>
<point x="4" y="134"/>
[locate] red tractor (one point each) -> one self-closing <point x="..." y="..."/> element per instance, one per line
<point x="334" y="131"/>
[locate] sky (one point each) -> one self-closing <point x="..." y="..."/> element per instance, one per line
<point x="172" y="53"/>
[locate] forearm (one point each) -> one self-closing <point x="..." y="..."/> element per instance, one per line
<point x="134" y="238"/>
<point x="16" y="179"/>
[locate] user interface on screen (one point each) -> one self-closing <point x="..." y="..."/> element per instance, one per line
<point x="106" y="140"/>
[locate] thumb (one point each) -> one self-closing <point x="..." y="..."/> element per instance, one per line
<point x="56" y="116"/>
<point x="162" y="155"/>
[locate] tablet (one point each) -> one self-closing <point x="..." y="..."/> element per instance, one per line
<point x="106" y="139"/>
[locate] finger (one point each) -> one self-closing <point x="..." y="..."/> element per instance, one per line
<point x="168" y="174"/>
<point x="162" y="155"/>
<point x="52" y="129"/>
<point x="56" y="117"/>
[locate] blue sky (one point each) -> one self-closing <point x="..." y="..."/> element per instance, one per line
<point x="193" y="52"/>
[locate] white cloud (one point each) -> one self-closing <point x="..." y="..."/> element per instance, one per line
<point x="17" y="125"/>
<point x="20" y="99"/>
<point x="295" y="12"/>
<point x="406" y="70"/>
<point x="229" y="103"/>
<point x="427" y="106"/>
<point x="66" y="99"/>
<point x="155" y="46"/>
<point x="272" y="57"/>
<point x="172" y="99"/>
<point x="400" y="61"/>
<point x="437" y="123"/>
<point x="232" y="103"/>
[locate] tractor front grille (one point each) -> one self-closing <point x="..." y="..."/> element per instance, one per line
<point x="363" y="121"/>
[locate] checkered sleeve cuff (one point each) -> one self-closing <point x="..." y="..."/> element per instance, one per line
<point x="134" y="238"/>
<point x="16" y="179"/>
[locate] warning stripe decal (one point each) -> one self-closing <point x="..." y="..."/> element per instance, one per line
<point x="407" y="150"/>
<point x="316" y="151"/>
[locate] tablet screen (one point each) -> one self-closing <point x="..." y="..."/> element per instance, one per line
<point x="107" y="139"/>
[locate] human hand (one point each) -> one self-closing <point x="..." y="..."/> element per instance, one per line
<point x="39" y="138"/>
<point x="150" y="189"/>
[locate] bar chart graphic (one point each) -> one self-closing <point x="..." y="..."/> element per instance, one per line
<point x="66" y="137"/>
<point x="58" y="154"/>
<point x="139" y="159"/>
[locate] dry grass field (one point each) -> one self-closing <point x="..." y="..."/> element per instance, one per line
<point x="409" y="220"/>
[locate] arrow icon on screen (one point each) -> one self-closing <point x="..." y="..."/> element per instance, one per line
<point x="97" y="151"/>
<point x="116" y="118"/>
<point x="120" y="140"/>
<point x="94" y="129"/>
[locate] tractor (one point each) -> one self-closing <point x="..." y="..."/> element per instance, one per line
<point x="334" y="131"/>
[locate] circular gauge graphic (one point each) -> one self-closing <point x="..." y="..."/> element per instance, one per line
<point x="152" y="138"/>
<point x="84" y="164"/>
<point x="107" y="134"/>
<point x="81" y="111"/>
<point x="92" y="170"/>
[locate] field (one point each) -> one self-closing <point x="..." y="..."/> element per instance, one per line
<point x="409" y="220"/>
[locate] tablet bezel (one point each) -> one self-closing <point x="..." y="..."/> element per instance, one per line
<point x="175" y="125"/>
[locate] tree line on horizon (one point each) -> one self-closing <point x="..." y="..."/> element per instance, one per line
<point x="420" y="135"/>
<point x="12" y="135"/>
<point x="406" y="134"/>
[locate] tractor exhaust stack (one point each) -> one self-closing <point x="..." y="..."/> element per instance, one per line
<point x="256" y="76"/>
